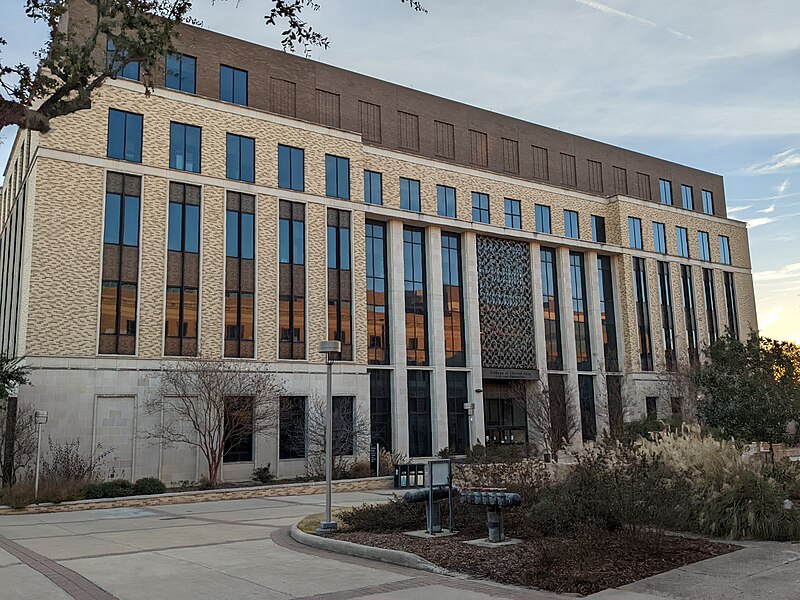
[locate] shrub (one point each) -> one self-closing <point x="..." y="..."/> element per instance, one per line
<point x="394" y="515"/>
<point x="263" y="474"/>
<point x="115" y="488"/>
<point x="359" y="469"/>
<point x="18" y="495"/>
<point x="148" y="486"/>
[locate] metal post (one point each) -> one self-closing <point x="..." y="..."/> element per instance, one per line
<point x="40" y="418"/>
<point x="328" y="348"/>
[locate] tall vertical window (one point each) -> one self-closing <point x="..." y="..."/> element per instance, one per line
<point x="120" y="265"/>
<point x="710" y="297"/>
<point x="689" y="316"/>
<point x="232" y="85"/>
<point x="588" y="412"/>
<point x="415" y="296"/>
<point x="579" y="316"/>
<point x="635" y="232"/>
<point x="480" y="207"/>
<point x="724" y="250"/>
<point x="419" y="413"/>
<point x="542" y="219"/>
<point x="703" y="245"/>
<point x="183" y="270"/>
<point x="667" y="317"/>
<point x="377" y="297"/>
<point x="598" y="229"/>
<point x="240" y="275"/>
<point x="708" y="202"/>
<point x="665" y="185"/>
<point x="239" y="428"/>
<point x="571" y="228"/>
<point x="659" y="238"/>
<point x="292" y="425"/>
<point x="181" y="73"/>
<point x="124" y="135"/>
<point x="457" y="416"/>
<point x="730" y="304"/>
<point x="454" y="353"/>
<point x="291" y="168"/>
<point x="687" y="195"/>
<point x="446" y="201"/>
<point x="513" y="213"/>
<point x="608" y="319"/>
<point x="682" y="241"/>
<point x="340" y="294"/>
<point x="642" y="313"/>
<point x="380" y="407"/>
<point x="337" y="177"/>
<point x="118" y="60"/>
<point x="373" y="188"/>
<point x="292" y="280"/>
<point x="552" y="321"/>
<point x="184" y="147"/>
<point x="240" y="158"/>
<point x="409" y="194"/>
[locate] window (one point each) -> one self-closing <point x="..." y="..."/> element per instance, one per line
<point x="446" y="201"/>
<point x="480" y="207"/>
<point x="238" y="429"/>
<point x="292" y="424"/>
<point x="571" y="229"/>
<point x="343" y="437"/>
<point x="457" y="416"/>
<point x="340" y="313"/>
<point x="542" y="218"/>
<point x="642" y="313"/>
<point x="598" y="229"/>
<point x="337" y="177"/>
<point x="409" y="194"/>
<point x="540" y="167"/>
<point x="240" y="158"/>
<point x="380" y="408"/>
<point x="510" y="155"/>
<point x="370" y="121"/>
<point x="689" y="317"/>
<point x="659" y="238"/>
<point x="635" y="232"/>
<point x="730" y="304"/>
<point x="183" y="270"/>
<point x="621" y="181"/>
<point x="682" y="241"/>
<point x="595" y="175"/>
<point x="373" y="188"/>
<point x="125" y="135"/>
<point x="181" y="73"/>
<point x="184" y="147"/>
<point x="588" y="413"/>
<point x="608" y="320"/>
<point x="120" y="265"/>
<point x="377" y="297"/>
<point x="116" y="60"/>
<point x="703" y="245"/>
<point x="232" y="85"/>
<point x="415" y="296"/>
<point x="708" y="202"/>
<point x="724" y="250"/>
<point x="513" y="213"/>
<point x="710" y="297"/>
<point x="291" y="168"/>
<point x="552" y="321"/>
<point x="667" y="317"/>
<point x="445" y="140"/>
<point x="643" y="184"/>
<point x="239" y="275"/>
<point x="292" y="280"/>
<point x="329" y="109"/>
<point x="479" y="148"/>
<point x="687" y="195"/>
<point x="580" y="317"/>
<point x="568" y="173"/>
<point x="455" y="355"/>
<point x="665" y="185"/>
<point x="506" y="421"/>
<point x="409" y="130"/>
<point x="419" y="413"/>
<point x="651" y="407"/>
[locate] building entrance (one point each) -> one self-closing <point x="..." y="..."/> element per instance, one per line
<point x="505" y="417"/>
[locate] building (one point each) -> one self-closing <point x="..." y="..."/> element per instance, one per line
<point x="257" y="203"/>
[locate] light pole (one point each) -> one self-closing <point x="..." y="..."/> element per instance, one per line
<point x="329" y="348"/>
<point x="40" y="418"/>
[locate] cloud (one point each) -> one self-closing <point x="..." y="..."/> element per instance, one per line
<point x="767" y="210"/>
<point x="786" y="272"/>
<point x="758" y="222"/>
<point x="735" y="209"/>
<point x="781" y="189"/>
<point x="603" y="8"/>
<point x="788" y="159"/>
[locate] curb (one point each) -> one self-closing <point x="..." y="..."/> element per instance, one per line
<point x="395" y="557"/>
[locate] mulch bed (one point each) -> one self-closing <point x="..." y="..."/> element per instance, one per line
<point x="582" y="564"/>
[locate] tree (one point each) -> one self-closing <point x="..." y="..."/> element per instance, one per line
<point x="750" y="390"/>
<point x="550" y="424"/>
<point x="212" y="405"/>
<point x="18" y="445"/>
<point x="74" y="61"/>
<point x="12" y="375"/>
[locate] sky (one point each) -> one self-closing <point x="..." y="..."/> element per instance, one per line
<point x="713" y="84"/>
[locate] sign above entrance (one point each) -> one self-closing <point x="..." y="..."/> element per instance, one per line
<point x="527" y="374"/>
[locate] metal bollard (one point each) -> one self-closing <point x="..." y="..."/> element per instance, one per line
<point x="494" y="519"/>
<point x="434" y="518"/>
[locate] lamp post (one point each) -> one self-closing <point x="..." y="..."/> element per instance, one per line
<point x="329" y="348"/>
<point x="40" y="418"/>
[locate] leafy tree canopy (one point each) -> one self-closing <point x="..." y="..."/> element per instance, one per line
<point x="12" y="375"/>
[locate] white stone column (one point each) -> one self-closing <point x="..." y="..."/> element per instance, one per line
<point x="595" y="320"/>
<point x="568" y="352"/>
<point x="397" y="336"/>
<point x="472" y="336"/>
<point x="540" y="342"/>
<point x="436" y="353"/>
